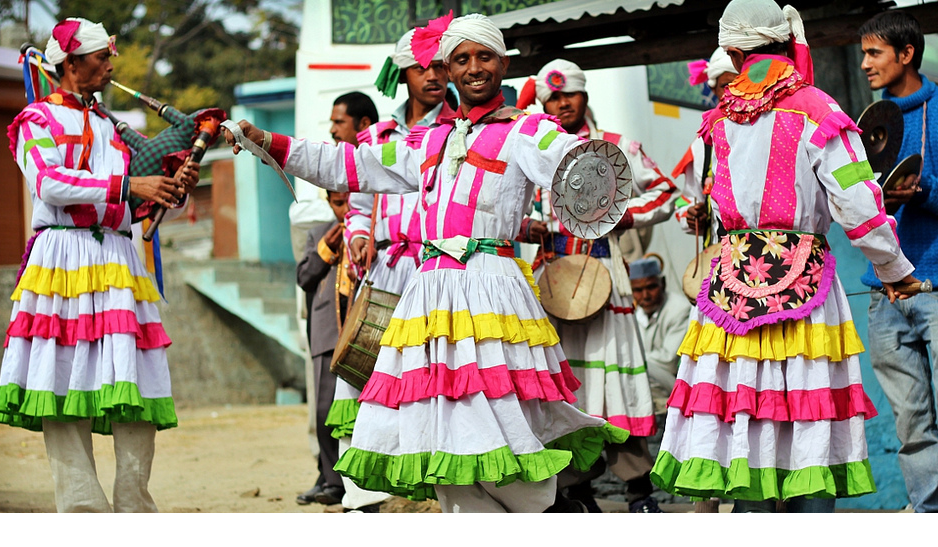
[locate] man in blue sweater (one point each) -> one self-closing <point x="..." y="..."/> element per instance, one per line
<point x="903" y="332"/>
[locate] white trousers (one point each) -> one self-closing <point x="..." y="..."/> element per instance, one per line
<point x="71" y="455"/>
<point x="356" y="497"/>
<point x="485" y="497"/>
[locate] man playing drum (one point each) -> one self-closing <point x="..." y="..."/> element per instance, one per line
<point x="471" y="395"/>
<point x="605" y="353"/>
<point x="397" y="226"/>
<point x="693" y="207"/>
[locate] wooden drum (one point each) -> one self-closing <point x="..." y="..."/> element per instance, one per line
<point x="575" y="288"/>
<point x="359" y="341"/>
<point x="693" y="282"/>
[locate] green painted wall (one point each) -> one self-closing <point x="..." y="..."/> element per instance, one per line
<point x="263" y="200"/>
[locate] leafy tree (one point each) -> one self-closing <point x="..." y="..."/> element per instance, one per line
<point x="180" y="52"/>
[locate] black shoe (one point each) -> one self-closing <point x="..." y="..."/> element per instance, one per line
<point x="309" y="496"/>
<point x="646" y="505"/>
<point x="373" y="508"/>
<point x="584" y="494"/>
<point x="329" y="495"/>
<point x="563" y="504"/>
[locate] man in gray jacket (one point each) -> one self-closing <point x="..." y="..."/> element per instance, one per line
<point x="322" y="275"/>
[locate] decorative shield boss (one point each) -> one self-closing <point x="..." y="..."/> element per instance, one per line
<point x="591" y="189"/>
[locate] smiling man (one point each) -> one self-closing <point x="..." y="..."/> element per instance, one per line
<point x="86" y="351"/>
<point x="471" y="397"/>
<point x="893" y="46"/>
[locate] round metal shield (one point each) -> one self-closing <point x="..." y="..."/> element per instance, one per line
<point x="882" y="126"/>
<point x="911" y="165"/>
<point x="591" y="189"/>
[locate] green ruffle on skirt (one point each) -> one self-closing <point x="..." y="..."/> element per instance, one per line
<point x="703" y="479"/>
<point x="413" y="475"/>
<point x="587" y="444"/>
<point x="341" y="417"/>
<point x="121" y="403"/>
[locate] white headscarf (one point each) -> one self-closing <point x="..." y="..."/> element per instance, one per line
<point x="76" y="36"/>
<point x="720" y="63"/>
<point x="558" y="75"/>
<point x="476" y="28"/>
<point x="749" y="24"/>
<point x="403" y="56"/>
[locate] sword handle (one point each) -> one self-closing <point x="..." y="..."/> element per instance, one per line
<point x="912" y="289"/>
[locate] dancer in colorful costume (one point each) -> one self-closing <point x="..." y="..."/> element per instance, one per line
<point x="769" y="403"/>
<point x="605" y="354"/>
<point x="471" y="398"/>
<point x="693" y="209"/>
<point x="397" y="228"/>
<point x="85" y="350"/>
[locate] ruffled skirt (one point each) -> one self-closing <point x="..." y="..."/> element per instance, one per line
<point x="470" y="386"/>
<point x="776" y="413"/>
<point x="85" y="339"/>
<point x="606" y="357"/>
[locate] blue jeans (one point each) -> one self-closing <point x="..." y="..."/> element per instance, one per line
<point x="901" y="335"/>
<point x="799" y="504"/>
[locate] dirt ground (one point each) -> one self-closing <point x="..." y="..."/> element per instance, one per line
<point x="232" y="459"/>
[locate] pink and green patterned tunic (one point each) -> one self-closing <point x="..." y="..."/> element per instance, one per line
<point x="769" y="402"/>
<point x="85" y="339"/>
<point x="470" y="384"/>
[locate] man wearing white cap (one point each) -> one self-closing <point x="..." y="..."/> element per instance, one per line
<point x="86" y="352"/>
<point x="470" y="399"/>
<point x="769" y="403"/>
<point x="662" y="321"/>
<point x="693" y="207"/>
<point x="397" y="228"/>
<point x="605" y="354"/>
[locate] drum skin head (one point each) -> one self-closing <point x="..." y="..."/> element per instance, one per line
<point x="881" y="125"/>
<point x="909" y="166"/>
<point x="695" y="272"/>
<point x="591" y="189"/>
<point x="575" y="288"/>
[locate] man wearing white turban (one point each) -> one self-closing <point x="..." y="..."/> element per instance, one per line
<point x="86" y="351"/>
<point x="611" y="341"/>
<point x="761" y="411"/>
<point x="396" y="230"/>
<point x="471" y="396"/>
<point x="692" y="209"/>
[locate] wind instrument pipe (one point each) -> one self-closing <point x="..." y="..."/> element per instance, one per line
<point x="152" y="103"/>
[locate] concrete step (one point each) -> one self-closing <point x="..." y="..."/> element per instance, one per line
<point x="286" y="306"/>
<point x="250" y="272"/>
<point x="267" y="305"/>
<point x="266" y="290"/>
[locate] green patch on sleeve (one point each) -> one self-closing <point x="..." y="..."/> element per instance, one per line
<point x="389" y="154"/>
<point x="32" y="143"/>
<point x="681" y="202"/>
<point x="852" y="173"/>
<point x="548" y="138"/>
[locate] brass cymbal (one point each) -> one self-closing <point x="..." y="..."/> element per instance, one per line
<point x="882" y="126"/>
<point x="911" y="165"/>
